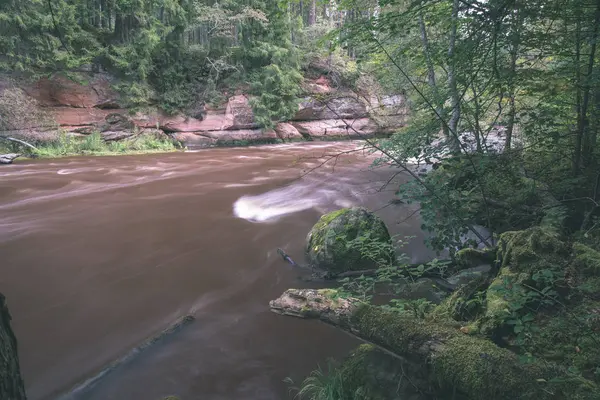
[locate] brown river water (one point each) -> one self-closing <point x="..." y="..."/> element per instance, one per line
<point x="99" y="253"/>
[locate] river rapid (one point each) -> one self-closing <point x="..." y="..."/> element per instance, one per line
<point x="99" y="253"/>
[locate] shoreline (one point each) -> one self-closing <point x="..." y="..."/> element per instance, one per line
<point x="184" y="148"/>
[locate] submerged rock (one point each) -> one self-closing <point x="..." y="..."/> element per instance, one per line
<point x="350" y="239"/>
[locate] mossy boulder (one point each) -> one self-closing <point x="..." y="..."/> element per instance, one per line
<point x="471" y="258"/>
<point x="532" y="250"/>
<point x="586" y="260"/>
<point x="466" y="303"/>
<point x="350" y="239"/>
<point x="521" y="254"/>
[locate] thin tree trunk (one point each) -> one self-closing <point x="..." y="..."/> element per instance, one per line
<point x="514" y="53"/>
<point x="312" y="13"/>
<point x="439" y="109"/>
<point x="595" y="122"/>
<point x="477" y="117"/>
<point x="584" y="120"/>
<point x="455" y="96"/>
<point x="11" y="382"/>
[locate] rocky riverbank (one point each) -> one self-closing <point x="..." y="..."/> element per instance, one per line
<point x="45" y="109"/>
<point x="525" y="326"/>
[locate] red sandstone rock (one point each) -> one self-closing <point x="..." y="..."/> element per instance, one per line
<point x="337" y="127"/>
<point x="69" y="116"/>
<point x="239" y="112"/>
<point x="334" y="108"/>
<point x="62" y="91"/>
<point x="286" y="131"/>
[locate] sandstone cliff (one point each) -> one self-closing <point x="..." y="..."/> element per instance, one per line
<point x="91" y="104"/>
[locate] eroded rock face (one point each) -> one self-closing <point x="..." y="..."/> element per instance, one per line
<point x="194" y="140"/>
<point x="90" y="104"/>
<point x="331" y="244"/>
<point x="287" y="132"/>
<point x="337" y="128"/>
<point x="94" y="91"/>
<point x="239" y="112"/>
<point x="346" y="106"/>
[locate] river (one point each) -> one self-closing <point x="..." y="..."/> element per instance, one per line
<point x="99" y="253"/>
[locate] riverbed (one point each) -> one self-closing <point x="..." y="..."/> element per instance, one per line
<point x="99" y="253"/>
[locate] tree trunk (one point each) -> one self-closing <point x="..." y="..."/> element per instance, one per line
<point x="477" y="118"/>
<point x="11" y="383"/>
<point x="455" y="96"/>
<point x="583" y="121"/>
<point x="514" y="52"/>
<point x="439" y="109"/>
<point x="475" y="367"/>
<point x="312" y="13"/>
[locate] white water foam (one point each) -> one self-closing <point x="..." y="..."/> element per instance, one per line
<point x="268" y="207"/>
<point x="300" y="196"/>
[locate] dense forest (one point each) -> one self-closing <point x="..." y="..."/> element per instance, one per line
<point x="505" y="105"/>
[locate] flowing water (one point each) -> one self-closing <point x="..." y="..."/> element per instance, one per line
<point x="99" y="253"/>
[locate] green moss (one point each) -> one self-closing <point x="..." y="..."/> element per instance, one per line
<point x="586" y="261"/>
<point x="531" y="250"/>
<point x="521" y="254"/>
<point x="471" y="258"/>
<point x="464" y="304"/>
<point x="474" y="366"/>
<point x="331" y="243"/>
<point x="317" y="232"/>
<point x="506" y="289"/>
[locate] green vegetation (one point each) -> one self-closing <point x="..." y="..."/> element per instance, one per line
<point x="93" y="144"/>
<point x="504" y="99"/>
<point x="177" y="54"/>
<point x="331" y="244"/>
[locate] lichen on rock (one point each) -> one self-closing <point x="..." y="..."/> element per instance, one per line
<point x="334" y="243"/>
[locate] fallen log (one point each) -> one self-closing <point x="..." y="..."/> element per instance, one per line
<point x="24" y="143"/>
<point x="8" y="158"/>
<point x="472" y="366"/>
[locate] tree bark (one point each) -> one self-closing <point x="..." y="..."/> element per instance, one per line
<point x="312" y="13"/>
<point x="439" y="109"/>
<point x="473" y="366"/>
<point x="455" y="96"/>
<point x="11" y="383"/>
<point x="583" y="122"/>
<point x="514" y="53"/>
